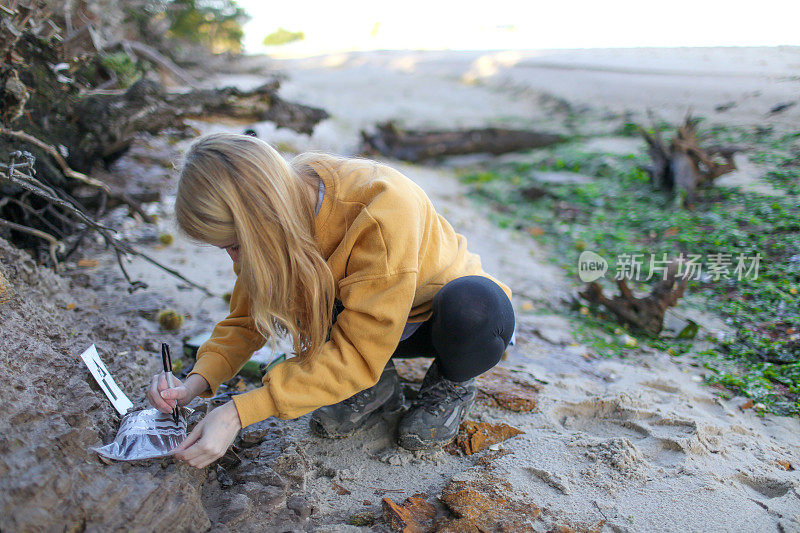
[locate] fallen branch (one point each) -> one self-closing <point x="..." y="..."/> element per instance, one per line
<point x="418" y="145"/>
<point x="647" y="313"/>
<point x="65" y="168"/>
<point x="55" y="244"/>
<point x="109" y="123"/>
<point x="21" y="175"/>
<point x="154" y="56"/>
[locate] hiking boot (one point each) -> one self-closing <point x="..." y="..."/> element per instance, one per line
<point x="437" y="411"/>
<point x="344" y="418"/>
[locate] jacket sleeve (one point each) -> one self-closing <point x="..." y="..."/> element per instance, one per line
<point x="362" y="341"/>
<point x="231" y="345"/>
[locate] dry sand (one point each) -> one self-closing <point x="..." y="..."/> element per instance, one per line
<point x="638" y="443"/>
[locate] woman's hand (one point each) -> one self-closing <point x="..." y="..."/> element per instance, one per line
<point x="165" y="399"/>
<point x="211" y="437"/>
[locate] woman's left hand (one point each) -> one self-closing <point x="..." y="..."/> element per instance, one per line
<point x="211" y="437"/>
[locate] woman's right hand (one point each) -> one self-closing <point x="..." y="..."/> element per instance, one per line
<point x="164" y="398"/>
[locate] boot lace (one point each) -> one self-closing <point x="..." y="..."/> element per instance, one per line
<point x="436" y="397"/>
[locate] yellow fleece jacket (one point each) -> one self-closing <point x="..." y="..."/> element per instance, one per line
<point x="389" y="252"/>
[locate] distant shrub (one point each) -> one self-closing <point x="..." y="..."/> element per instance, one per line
<point x="283" y="36"/>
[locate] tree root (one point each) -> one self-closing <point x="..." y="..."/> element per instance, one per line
<point x="65" y="168"/>
<point x="683" y="165"/>
<point x="20" y="173"/>
<point x="647" y="313"/>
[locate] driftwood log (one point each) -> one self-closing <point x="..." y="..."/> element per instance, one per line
<point x="682" y="165"/>
<point x="108" y="123"/>
<point x="419" y="145"/>
<point x="646" y="313"/>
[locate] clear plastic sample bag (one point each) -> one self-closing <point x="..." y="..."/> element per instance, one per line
<point x="144" y="435"/>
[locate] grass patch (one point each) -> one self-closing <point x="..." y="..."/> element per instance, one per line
<point x="619" y="212"/>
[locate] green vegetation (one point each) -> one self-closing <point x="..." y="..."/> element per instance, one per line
<point x="618" y="212"/>
<point x="120" y="63"/>
<point x="217" y="24"/>
<point x="214" y="24"/>
<point x="283" y="36"/>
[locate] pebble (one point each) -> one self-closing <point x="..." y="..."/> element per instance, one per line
<point x="224" y="478"/>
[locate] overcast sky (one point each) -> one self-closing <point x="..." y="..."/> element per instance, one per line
<point x="341" y="25"/>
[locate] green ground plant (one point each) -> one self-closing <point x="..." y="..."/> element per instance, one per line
<point x="618" y="212"/>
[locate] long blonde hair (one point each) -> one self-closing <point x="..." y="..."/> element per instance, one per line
<point x="239" y="188"/>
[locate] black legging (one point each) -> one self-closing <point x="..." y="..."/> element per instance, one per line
<point x="469" y="330"/>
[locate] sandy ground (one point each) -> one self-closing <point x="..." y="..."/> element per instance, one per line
<point x="634" y="445"/>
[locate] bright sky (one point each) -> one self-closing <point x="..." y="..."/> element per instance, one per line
<point x="342" y="25"/>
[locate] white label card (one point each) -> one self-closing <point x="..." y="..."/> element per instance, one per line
<point x="103" y="377"/>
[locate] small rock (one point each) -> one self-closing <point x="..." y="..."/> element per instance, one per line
<point x="393" y="458"/>
<point x="266" y="496"/>
<point x="300" y="505"/>
<point x="290" y="465"/>
<point x="627" y="341"/>
<point x="362" y="519"/>
<point x="236" y="509"/>
<point x="253" y="434"/>
<point x="261" y="473"/>
<point x="224" y="478"/>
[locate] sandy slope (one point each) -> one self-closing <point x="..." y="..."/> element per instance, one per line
<point x="637" y="442"/>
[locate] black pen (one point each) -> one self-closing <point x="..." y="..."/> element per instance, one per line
<point x="167" y="360"/>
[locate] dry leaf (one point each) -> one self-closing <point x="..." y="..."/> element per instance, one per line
<point x="88" y="263"/>
<point x="341" y="491"/>
<point x="536" y="231"/>
<point x="415" y="515"/>
<point x="477" y="436"/>
<point x="670" y="232"/>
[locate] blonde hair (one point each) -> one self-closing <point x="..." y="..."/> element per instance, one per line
<point x="239" y="188"/>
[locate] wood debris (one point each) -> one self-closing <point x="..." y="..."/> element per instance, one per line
<point x="682" y="165"/>
<point x="419" y="145"/>
<point x="65" y="114"/>
<point x="646" y="313"/>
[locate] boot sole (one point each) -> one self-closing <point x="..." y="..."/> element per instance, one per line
<point x="413" y="443"/>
